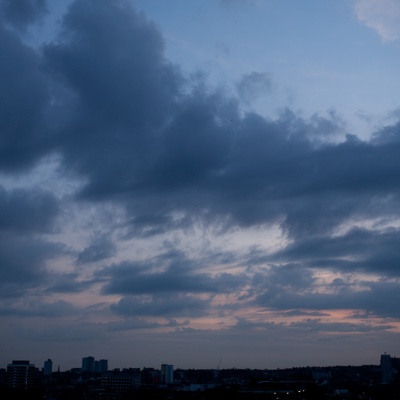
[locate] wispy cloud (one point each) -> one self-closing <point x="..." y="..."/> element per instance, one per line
<point x="381" y="15"/>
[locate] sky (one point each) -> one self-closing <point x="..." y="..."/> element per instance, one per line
<point x="201" y="183"/>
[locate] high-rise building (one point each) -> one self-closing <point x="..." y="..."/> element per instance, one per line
<point x="21" y="374"/>
<point x="101" y="366"/>
<point x="88" y="364"/>
<point x="167" y="373"/>
<point x="386" y="368"/>
<point x="48" y="367"/>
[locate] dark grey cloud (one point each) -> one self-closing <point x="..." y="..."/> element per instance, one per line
<point x="135" y="278"/>
<point x="294" y="288"/>
<point x="101" y="248"/>
<point x="138" y="324"/>
<point x="24" y="105"/>
<point x="371" y="251"/>
<point x="21" y="13"/>
<point x="388" y="134"/>
<point x="28" y="210"/>
<point x="124" y="91"/>
<point x="37" y="308"/>
<point x="25" y="215"/>
<point x="316" y="325"/>
<point x="271" y="284"/>
<point x="176" y="305"/>
<point x="173" y="152"/>
<point x="312" y="325"/>
<point x="269" y="171"/>
<point x="303" y="313"/>
<point x="23" y="263"/>
<point x="169" y="285"/>
<point x="67" y="283"/>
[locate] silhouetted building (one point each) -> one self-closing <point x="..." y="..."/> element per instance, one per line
<point x="321" y="375"/>
<point x="121" y="381"/>
<point x="386" y="368"/>
<point x="3" y="374"/>
<point x="150" y="376"/>
<point x="167" y="373"/>
<point x="101" y="366"/>
<point x="88" y="364"/>
<point x="21" y="374"/>
<point x="48" y="367"/>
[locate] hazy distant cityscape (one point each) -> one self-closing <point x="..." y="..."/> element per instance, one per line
<point x="94" y="380"/>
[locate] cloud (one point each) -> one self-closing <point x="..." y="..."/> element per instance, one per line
<point x="370" y="297"/>
<point x="176" y="305"/>
<point x="122" y="95"/>
<point x="138" y="324"/>
<point x="25" y="92"/>
<point x="23" y="262"/>
<point x="357" y="250"/>
<point x="37" y="308"/>
<point x="317" y="325"/>
<point x="101" y="248"/>
<point x="67" y="283"/>
<point x="168" y="157"/>
<point x="253" y="85"/>
<point x="383" y="16"/>
<point x="388" y="134"/>
<point x="25" y="215"/>
<point x="22" y="13"/>
<point x="171" y="152"/>
<point x="144" y="278"/>
<point x="27" y="210"/>
<point x="309" y="325"/>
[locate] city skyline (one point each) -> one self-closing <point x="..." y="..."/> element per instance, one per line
<point x="386" y="362"/>
<point x="203" y="183"/>
<point x="354" y="382"/>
